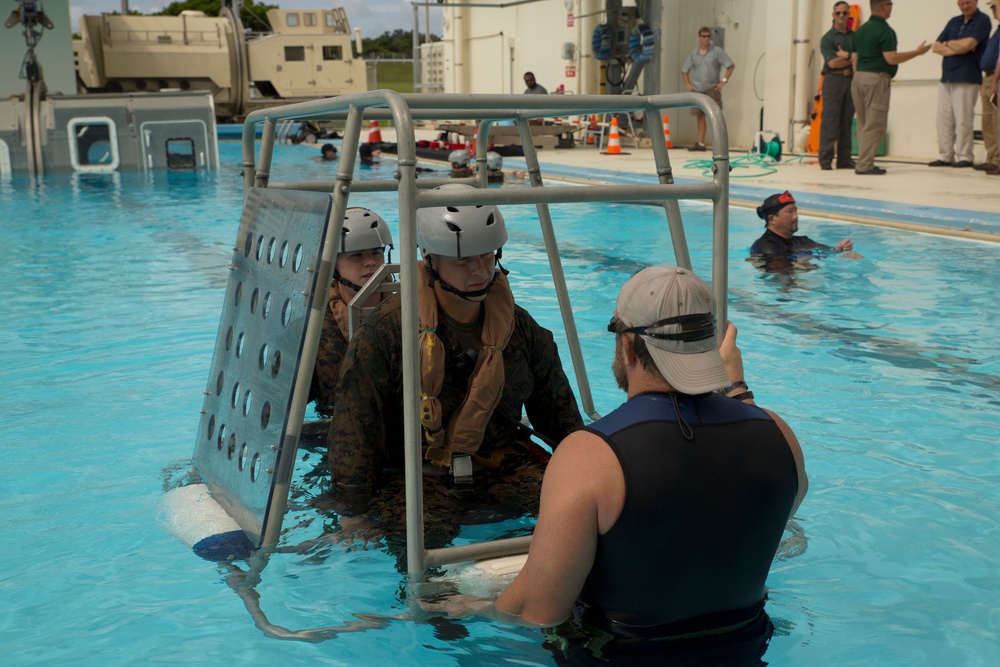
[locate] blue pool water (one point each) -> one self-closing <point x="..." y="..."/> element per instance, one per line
<point x="886" y="367"/>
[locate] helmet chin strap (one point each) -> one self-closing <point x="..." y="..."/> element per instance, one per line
<point x="468" y="296"/>
<point x="346" y="283"/>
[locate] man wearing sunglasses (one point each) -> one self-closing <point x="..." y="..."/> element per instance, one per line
<point x="701" y="75"/>
<point x="962" y="43"/>
<point x="779" y="246"/>
<point x="838" y="108"/>
<point x="664" y="516"/>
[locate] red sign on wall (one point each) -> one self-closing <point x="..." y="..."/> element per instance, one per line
<point x="570" y="71"/>
<point x="569" y="20"/>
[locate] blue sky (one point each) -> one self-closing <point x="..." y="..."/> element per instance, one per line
<point x="374" y="17"/>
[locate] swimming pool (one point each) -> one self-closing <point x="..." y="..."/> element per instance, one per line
<point x="887" y="368"/>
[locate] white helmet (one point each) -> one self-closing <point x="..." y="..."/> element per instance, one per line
<point x="460" y="157"/>
<point x="363" y="229"/>
<point x="494" y="161"/>
<point x="460" y="231"/>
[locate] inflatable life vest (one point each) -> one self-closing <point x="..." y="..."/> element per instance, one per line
<point x="640" y="43"/>
<point x="601" y="42"/>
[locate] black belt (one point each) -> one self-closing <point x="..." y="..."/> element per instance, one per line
<point x="845" y="72"/>
<point x="990" y="73"/>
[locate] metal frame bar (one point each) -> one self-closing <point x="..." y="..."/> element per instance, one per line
<point x="403" y="110"/>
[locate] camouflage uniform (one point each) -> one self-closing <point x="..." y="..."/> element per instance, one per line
<point x="329" y="356"/>
<point x="365" y="442"/>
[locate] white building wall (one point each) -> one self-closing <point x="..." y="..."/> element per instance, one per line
<point x="489" y="49"/>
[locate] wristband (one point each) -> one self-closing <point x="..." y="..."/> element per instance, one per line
<point x="744" y="396"/>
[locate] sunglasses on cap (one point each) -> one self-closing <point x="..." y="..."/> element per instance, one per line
<point x="786" y="198"/>
<point x="694" y="327"/>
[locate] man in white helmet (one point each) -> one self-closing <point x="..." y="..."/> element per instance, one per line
<point x="483" y="360"/>
<point x="460" y="164"/>
<point x="363" y="240"/>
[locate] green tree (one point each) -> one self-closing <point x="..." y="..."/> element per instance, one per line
<point x="252" y="13"/>
<point x="395" y="44"/>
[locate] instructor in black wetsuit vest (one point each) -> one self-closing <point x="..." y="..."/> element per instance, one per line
<point x="660" y="521"/>
<point x="778" y="248"/>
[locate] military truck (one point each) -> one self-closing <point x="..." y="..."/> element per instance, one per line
<point x="307" y="55"/>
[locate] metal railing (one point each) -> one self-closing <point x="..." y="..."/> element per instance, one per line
<point x="403" y="110"/>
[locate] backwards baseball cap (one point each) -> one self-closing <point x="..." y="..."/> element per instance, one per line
<point x="774" y="203"/>
<point x="672" y="310"/>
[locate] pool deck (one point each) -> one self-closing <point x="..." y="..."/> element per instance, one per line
<point x="939" y="200"/>
<point x="956" y="202"/>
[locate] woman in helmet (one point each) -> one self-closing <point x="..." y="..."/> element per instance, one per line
<point x="363" y="240"/>
<point x="484" y="360"/>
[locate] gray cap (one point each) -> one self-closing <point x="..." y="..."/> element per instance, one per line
<point x="460" y="231"/>
<point x="686" y="352"/>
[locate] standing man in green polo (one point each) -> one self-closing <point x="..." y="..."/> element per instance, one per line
<point x="837" y="46"/>
<point x="876" y="61"/>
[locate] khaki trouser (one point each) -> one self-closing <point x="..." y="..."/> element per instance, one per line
<point x="955" y="111"/>
<point x="989" y="124"/>
<point x="870" y="92"/>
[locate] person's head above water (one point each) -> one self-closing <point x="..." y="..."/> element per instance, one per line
<point x="673" y="312"/>
<point x="462" y="245"/>
<point x="329" y="152"/>
<point x="780" y="214"/>
<point x="363" y="239"/>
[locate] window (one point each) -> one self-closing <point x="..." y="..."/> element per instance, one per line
<point x="93" y="145"/>
<point x="333" y="53"/>
<point x="180" y="154"/>
<point x="330" y="21"/>
<point x="292" y="20"/>
<point x="309" y="19"/>
<point x="295" y="53"/>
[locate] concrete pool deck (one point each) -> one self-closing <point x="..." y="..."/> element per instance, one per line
<point x="956" y="202"/>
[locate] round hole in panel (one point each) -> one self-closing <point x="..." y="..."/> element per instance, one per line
<point x="247" y="402"/>
<point x="238" y="293"/>
<point x="239" y="345"/>
<point x="260" y="247"/>
<point x="265" y="415"/>
<point x="244" y="455"/>
<point x="231" y="449"/>
<point x="266" y="310"/>
<point x="255" y="467"/>
<point x="236" y="395"/>
<point x="229" y="338"/>
<point x="221" y="438"/>
<point x="283" y="259"/>
<point x="276" y="366"/>
<point x="286" y="313"/>
<point x="211" y="427"/>
<point x="254" y="300"/>
<point x="220" y="382"/>
<point x="262" y="358"/>
<point x="248" y="245"/>
<point x="297" y="260"/>
<point x="271" y="245"/>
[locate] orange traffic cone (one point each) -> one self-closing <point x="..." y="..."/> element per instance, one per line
<point x="592" y="130"/>
<point x="666" y="131"/>
<point x="374" y="133"/>
<point x="614" y="144"/>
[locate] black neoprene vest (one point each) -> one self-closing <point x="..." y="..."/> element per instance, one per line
<point x="702" y="517"/>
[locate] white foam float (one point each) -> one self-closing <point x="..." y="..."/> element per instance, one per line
<point x="191" y="515"/>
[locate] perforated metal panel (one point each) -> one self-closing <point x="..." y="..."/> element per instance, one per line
<point x="258" y="352"/>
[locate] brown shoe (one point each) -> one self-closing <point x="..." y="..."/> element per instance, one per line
<point x="993" y="172"/>
<point x="991" y="169"/>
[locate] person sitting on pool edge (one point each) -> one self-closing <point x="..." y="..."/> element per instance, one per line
<point x="363" y="241"/>
<point x="778" y="246"/>
<point x="659" y="522"/>
<point x="484" y="360"/>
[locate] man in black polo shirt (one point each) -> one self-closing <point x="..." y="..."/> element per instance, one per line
<point x="962" y="43"/>
<point x="779" y="246"/>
